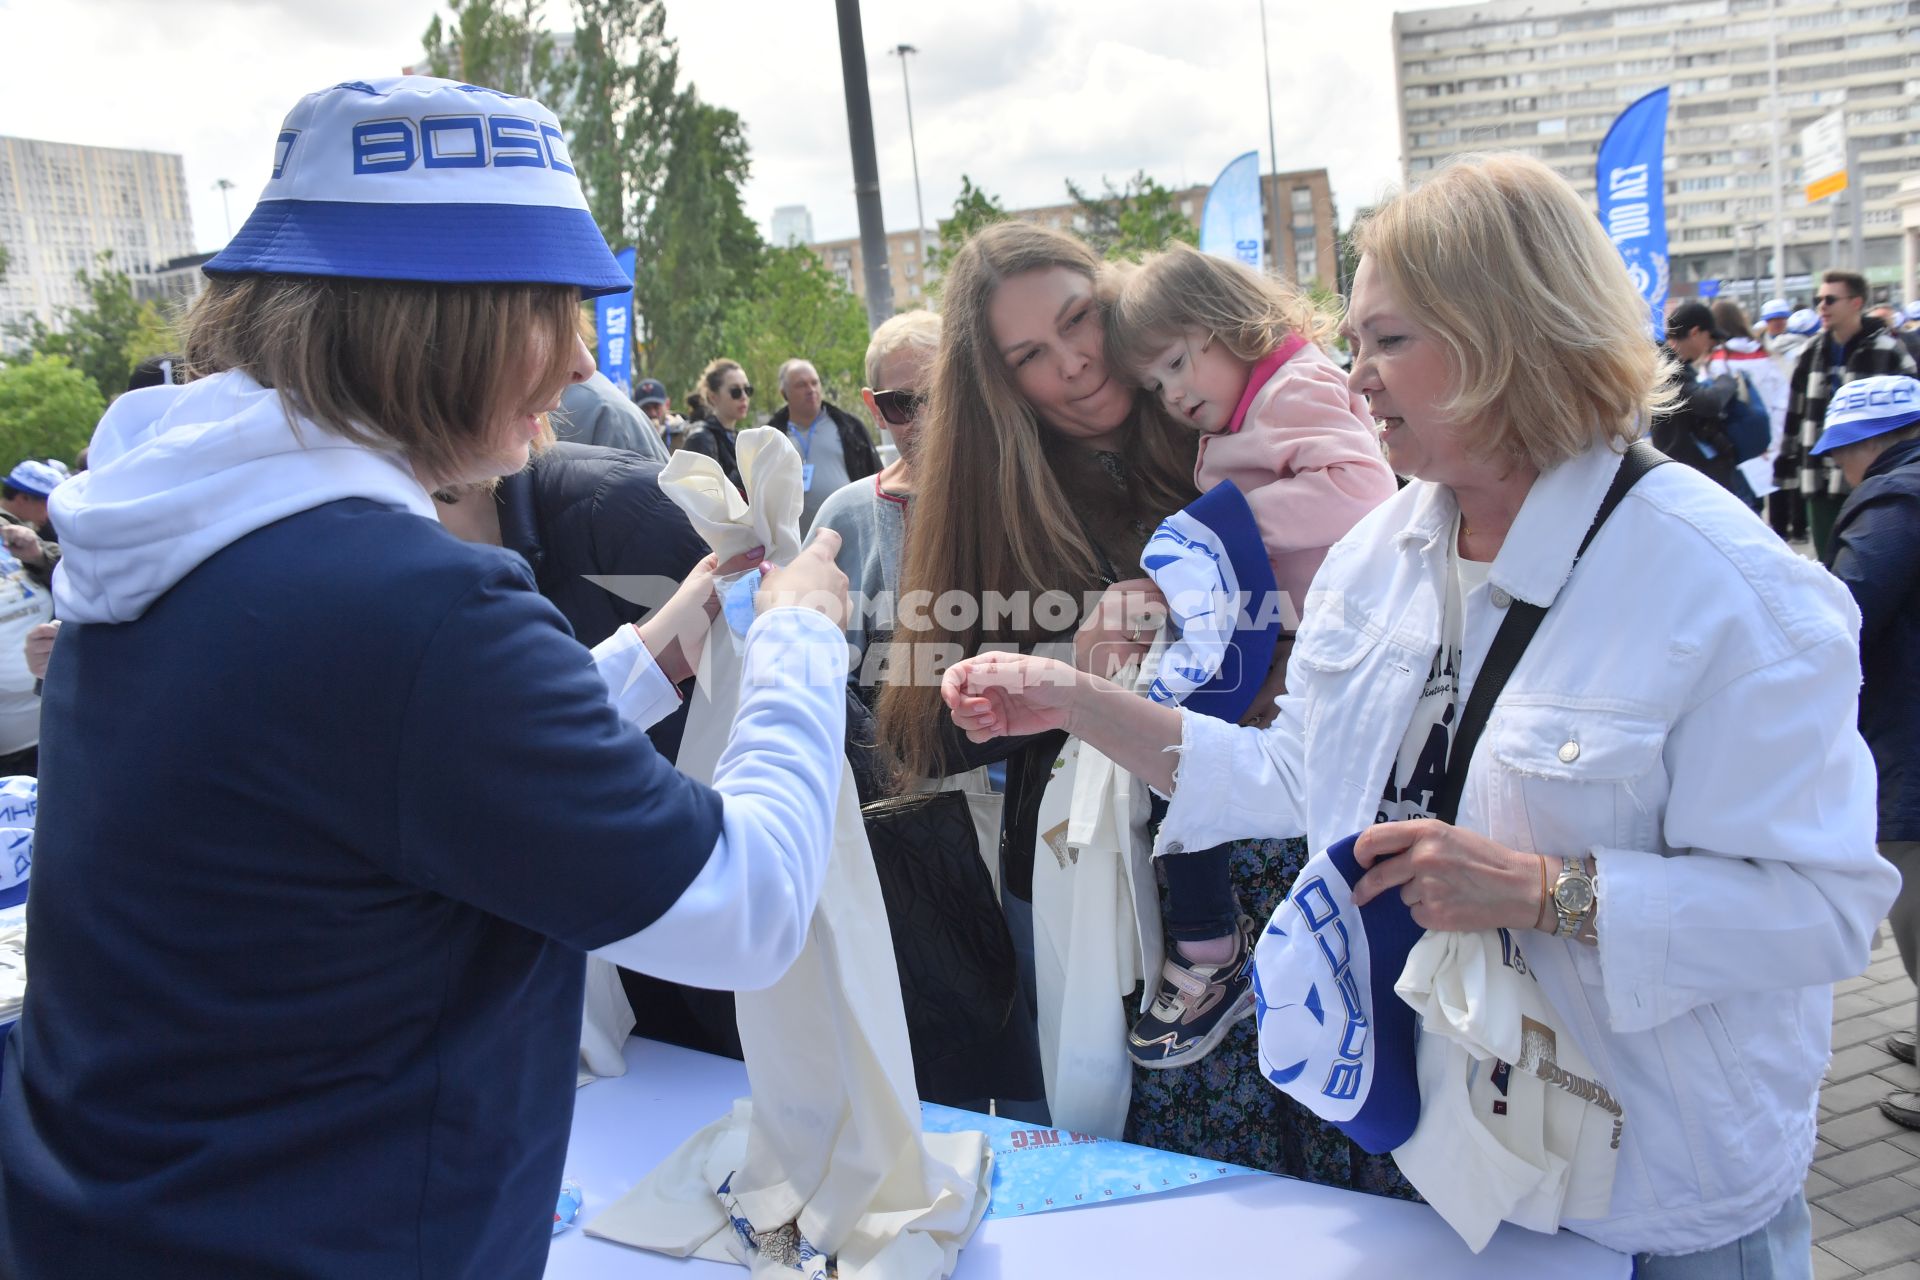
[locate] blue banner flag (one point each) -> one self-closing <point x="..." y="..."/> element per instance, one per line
<point x="1231" y="224"/>
<point x="613" y="322"/>
<point x="1633" y="199"/>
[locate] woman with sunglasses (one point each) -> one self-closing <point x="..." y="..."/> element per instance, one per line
<point x="870" y="513"/>
<point x="729" y="402"/>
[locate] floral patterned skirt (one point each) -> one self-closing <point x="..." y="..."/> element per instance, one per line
<point x="1221" y="1107"/>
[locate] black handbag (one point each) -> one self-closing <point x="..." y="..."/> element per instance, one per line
<point x="957" y="971"/>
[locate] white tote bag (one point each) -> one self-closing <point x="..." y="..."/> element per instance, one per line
<point x="827" y="1157"/>
<point x="1096" y="934"/>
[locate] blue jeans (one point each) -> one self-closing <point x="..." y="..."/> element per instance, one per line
<point x="1781" y="1250"/>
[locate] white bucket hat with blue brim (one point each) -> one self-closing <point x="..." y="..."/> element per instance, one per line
<point x="1869" y="407"/>
<point x="420" y="179"/>
<point x="1775" y="309"/>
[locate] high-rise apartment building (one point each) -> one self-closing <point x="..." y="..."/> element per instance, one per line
<point x="1308" y="252"/>
<point x="792" y="224"/>
<point x="62" y="205"/>
<point x="1547" y="77"/>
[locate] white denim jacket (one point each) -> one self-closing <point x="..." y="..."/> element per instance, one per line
<point x="1686" y="715"/>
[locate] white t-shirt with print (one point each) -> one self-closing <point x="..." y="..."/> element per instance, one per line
<point x="1421" y="764"/>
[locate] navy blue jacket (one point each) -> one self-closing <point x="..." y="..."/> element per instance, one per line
<point x="1875" y="550"/>
<point x="324" y="834"/>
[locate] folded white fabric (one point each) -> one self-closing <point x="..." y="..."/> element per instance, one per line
<point x="1096" y="935"/>
<point x="768" y="515"/>
<point x="827" y="1159"/>
<point x="1513" y="1126"/>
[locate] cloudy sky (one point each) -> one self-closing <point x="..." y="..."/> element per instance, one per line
<point x="1018" y="94"/>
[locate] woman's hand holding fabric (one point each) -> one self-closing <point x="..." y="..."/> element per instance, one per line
<point x="675" y="631"/>
<point x="1121" y="627"/>
<point x="1453" y="879"/>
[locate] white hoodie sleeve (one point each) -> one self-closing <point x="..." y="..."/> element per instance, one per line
<point x="743" y="920"/>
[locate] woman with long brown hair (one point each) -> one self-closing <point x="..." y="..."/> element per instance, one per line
<point x="1043" y="473"/>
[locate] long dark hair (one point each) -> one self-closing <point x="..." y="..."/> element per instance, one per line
<point x="1003" y="504"/>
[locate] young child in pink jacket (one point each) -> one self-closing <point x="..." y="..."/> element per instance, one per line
<point x="1235" y="355"/>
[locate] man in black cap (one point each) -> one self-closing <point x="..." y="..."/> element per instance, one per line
<point x="651" y="395"/>
<point x="1693" y="430"/>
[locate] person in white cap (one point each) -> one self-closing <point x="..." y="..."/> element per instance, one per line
<point x="24" y="494"/>
<point x="333" y="804"/>
<point x="1873" y="435"/>
<point x="1774" y="313"/>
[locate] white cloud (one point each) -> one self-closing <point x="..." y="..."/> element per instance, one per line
<point x="1018" y="94"/>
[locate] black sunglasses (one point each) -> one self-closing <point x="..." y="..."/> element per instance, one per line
<point x="1832" y="299"/>
<point x="741" y="392"/>
<point x="899" y="407"/>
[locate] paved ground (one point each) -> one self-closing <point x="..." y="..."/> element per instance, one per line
<point x="1865" y="1184"/>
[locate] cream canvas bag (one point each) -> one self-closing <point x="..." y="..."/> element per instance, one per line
<point x="1096" y="933"/>
<point x="827" y="1158"/>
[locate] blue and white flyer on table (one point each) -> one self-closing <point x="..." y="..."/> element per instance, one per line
<point x="1041" y="1170"/>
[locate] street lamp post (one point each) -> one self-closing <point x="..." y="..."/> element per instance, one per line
<point x="919" y="208"/>
<point x="1273" y="154"/>
<point x="224" y="186"/>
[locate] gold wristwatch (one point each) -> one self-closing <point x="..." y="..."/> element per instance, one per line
<point x="1573" y="899"/>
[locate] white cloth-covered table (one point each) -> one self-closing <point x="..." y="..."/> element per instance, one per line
<point x="623" y="1127"/>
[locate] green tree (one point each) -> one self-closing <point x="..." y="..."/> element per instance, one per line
<point x="154" y="334"/>
<point x="972" y="210"/>
<point x="618" y="99"/>
<point x="799" y="308"/>
<point x="700" y="252"/>
<point x="1133" y="221"/>
<point x="498" y="44"/>
<point x="48" y="409"/>
<point x="98" y="337"/>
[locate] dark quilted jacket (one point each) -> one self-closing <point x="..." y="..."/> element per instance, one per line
<point x="580" y="509"/>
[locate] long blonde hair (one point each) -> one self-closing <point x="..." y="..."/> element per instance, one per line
<point x="1549" y="340"/>
<point x="1152" y="304"/>
<point x="1002" y="504"/>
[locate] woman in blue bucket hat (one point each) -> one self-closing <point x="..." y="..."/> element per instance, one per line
<point x="332" y="804"/>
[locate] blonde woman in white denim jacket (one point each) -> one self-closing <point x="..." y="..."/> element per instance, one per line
<point x="1681" y="728"/>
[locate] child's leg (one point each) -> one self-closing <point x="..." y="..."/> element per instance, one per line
<point x="1205" y="985"/>
<point x="1202" y="917"/>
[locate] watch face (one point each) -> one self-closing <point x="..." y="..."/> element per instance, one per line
<point x="1574" y="896"/>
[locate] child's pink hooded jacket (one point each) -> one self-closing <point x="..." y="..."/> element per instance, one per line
<point x="1304" y="451"/>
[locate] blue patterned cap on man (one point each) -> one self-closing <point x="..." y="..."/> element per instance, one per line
<point x="1805" y="321"/>
<point x="1869" y="407"/>
<point x="36" y="478"/>
<point x="414" y="178"/>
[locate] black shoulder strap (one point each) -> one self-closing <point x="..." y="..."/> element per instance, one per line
<point x="1516" y="630"/>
